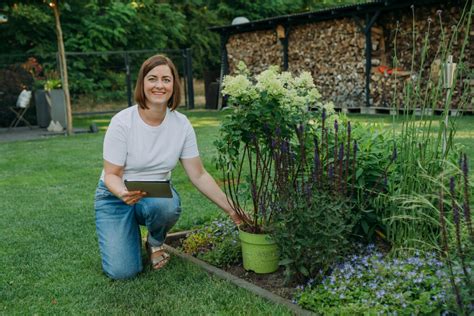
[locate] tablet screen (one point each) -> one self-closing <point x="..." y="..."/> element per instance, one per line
<point x="152" y="188"/>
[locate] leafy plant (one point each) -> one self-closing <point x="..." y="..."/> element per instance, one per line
<point x="270" y="102"/>
<point x="199" y="241"/>
<point x="51" y="84"/>
<point x="313" y="235"/>
<point x="216" y="243"/>
<point x="224" y="253"/>
<point x="321" y="192"/>
<point x="370" y="283"/>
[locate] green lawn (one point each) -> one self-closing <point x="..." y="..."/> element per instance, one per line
<point x="49" y="256"/>
<point x="50" y="262"/>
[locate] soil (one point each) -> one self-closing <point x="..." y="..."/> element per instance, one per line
<point x="273" y="282"/>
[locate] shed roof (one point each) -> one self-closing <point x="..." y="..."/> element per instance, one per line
<point x="370" y="6"/>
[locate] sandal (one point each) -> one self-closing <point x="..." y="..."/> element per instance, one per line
<point x="157" y="255"/>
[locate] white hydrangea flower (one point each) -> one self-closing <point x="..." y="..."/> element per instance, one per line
<point x="286" y="79"/>
<point x="242" y="68"/>
<point x="329" y="106"/>
<point x="304" y="80"/>
<point x="235" y="85"/>
<point x="269" y="82"/>
<point x="313" y="96"/>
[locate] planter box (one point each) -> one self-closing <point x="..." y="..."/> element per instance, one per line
<point x="43" y="114"/>
<point x="230" y="277"/>
<point x="58" y="106"/>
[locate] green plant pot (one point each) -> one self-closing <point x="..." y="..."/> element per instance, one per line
<point x="259" y="252"/>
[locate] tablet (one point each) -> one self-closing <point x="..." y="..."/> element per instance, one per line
<point x="152" y="188"/>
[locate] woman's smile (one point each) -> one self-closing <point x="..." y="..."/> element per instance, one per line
<point x="158" y="86"/>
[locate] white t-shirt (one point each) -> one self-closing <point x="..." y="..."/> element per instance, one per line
<point x="148" y="152"/>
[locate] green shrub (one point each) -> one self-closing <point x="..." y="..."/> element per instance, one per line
<point x="312" y="237"/>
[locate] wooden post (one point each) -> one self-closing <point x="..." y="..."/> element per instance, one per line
<point x="224" y="67"/>
<point x="62" y="65"/>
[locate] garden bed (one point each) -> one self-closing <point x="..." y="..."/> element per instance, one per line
<point x="270" y="286"/>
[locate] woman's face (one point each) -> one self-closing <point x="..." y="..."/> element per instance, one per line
<point x="158" y="85"/>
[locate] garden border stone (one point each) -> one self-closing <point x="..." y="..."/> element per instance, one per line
<point x="232" y="278"/>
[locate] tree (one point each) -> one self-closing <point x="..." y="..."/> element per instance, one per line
<point x="63" y="65"/>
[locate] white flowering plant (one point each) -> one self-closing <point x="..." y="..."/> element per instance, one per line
<point x="269" y="105"/>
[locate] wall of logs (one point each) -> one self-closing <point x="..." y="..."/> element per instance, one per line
<point x="406" y="49"/>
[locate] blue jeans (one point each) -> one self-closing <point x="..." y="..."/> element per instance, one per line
<point x="118" y="230"/>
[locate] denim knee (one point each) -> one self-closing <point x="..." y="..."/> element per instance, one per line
<point x="122" y="272"/>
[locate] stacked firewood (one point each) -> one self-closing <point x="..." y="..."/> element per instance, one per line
<point x="412" y="54"/>
<point x="333" y="51"/>
<point x="259" y="50"/>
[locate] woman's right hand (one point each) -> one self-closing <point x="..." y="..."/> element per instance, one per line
<point x="131" y="197"/>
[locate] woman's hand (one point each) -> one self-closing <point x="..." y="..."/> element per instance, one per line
<point x="131" y="197"/>
<point x="237" y="219"/>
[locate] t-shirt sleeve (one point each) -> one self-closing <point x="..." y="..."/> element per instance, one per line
<point x="190" y="148"/>
<point x="115" y="143"/>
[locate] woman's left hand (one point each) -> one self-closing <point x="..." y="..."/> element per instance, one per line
<point x="237" y="219"/>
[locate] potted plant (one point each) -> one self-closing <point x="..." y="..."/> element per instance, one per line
<point x="262" y="106"/>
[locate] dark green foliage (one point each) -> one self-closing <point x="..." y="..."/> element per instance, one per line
<point x="313" y="236"/>
<point x="12" y="80"/>
<point x="123" y="25"/>
<point x="224" y="253"/>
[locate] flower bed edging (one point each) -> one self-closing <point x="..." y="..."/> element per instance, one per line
<point x="232" y="278"/>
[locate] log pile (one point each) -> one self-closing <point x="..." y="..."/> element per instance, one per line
<point x="259" y="50"/>
<point x="412" y="56"/>
<point x="333" y="51"/>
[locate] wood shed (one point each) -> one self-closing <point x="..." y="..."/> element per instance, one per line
<point x="360" y="55"/>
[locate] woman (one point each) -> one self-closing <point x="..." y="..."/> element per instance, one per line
<point x="144" y="142"/>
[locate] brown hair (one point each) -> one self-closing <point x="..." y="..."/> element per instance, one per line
<point x="146" y="67"/>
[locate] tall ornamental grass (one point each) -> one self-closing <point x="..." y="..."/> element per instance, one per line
<point x="425" y="147"/>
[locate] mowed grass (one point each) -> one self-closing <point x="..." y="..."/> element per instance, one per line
<point x="50" y="263"/>
<point x="464" y="127"/>
<point x="49" y="258"/>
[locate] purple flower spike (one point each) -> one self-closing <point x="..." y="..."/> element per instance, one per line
<point x="331" y="172"/>
<point x="394" y="154"/>
<point x="278" y="131"/>
<point x="336" y="126"/>
<point x="349" y="129"/>
<point x="456" y="215"/>
<point x="465" y="168"/>
<point x="323" y="115"/>
<point x="451" y="185"/>
<point x="273" y="143"/>
<point x="341" y="151"/>
<point x="356" y="148"/>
